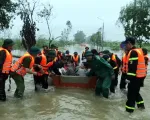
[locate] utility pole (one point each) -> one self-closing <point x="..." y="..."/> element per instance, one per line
<point x="102" y="32"/>
<point x="134" y="18"/>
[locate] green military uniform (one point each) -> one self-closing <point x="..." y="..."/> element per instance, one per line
<point x="103" y="70"/>
<point x="19" y="80"/>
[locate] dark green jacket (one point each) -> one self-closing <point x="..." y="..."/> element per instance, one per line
<point x="100" y="67"/>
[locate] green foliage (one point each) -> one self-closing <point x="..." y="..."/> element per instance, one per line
<point x="7" y="9"/>
<point x="28" y="32"/>
<point x="79" y="37"/>
<point x="136" y="20"/>
<point x="96" y="40"/>
<point x="46" y="13"/>
<point x="65" y="33"/>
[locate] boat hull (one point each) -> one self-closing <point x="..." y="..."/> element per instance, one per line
<point x="74" y="81"/>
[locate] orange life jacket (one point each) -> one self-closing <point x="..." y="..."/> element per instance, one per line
<point x="17" y="66"/>
<point x="43" y="64"/>
<point x="75" y="59"/>
<point x="114" y="59"/>
<point x="124" y="64"/>
<point x="141" y="67"/>
<point x="8" y="61"/>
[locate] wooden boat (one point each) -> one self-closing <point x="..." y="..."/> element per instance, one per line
<point x="74" y="81"/>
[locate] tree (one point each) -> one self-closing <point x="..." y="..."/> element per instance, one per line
<point x="136" y="21"/>
<point x="28" y="32"/>
<point x="46" y="13"/>
<point x="7" y="9"/>
<point x="79" y="37"/>
<point x="65" y="33"/>
<point x="96" y="40"/>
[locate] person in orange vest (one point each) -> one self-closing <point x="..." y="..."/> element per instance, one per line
<point x="59" y="56"/>
<point x="5" y="65"/>
<point x="123" y="70"/>
<point x="136" y="72"/>
<point x="22" y="66"/>
<point x="41" y="79"/>
<point x="116" y="59"/>
<point x="56" y="64"/>
<point x="55" y="48"/>
<point x="83" y="53"/>
<point x="45" y="49"/>
<point x="76" y="59"/>
<point x="145" y="52"/>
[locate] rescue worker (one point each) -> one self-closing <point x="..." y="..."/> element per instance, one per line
<point x="45" y="49"/>
<point x="123" y="70"/>
<point x="22" y="66"/>
<point x="41" y="78"/>
<point x="116" y="59"/>
<point x="53" y="47"/>
<point x="83" y="53"/>
<point x="104" y="72"/>
<point x="59" y="55"/>
<point x="56" y="64"/>
<point x="145" y="52"/>
<point x="136" y="72"/>
<point x="5" y="65"/>
<point x="114" y="66"/>
<point x="68" y="56"/>
<point x="94" y="51"/>
<point x="76" y="59"/>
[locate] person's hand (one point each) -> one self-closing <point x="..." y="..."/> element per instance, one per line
<point x="113" y="77"/>
<point x="35" y="73"/>
<point x="127" y="81"/>
<point x="51" y="74"/>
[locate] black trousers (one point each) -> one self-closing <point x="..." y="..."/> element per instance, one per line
<point x="123" y="81"/>
<point x="116" y="77"/>
<point x="41" y="80"/>
<point x="133" y="95"/>
<point x="3" y="78"/>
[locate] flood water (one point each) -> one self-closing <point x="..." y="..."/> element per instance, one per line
<point x="70" y="104"/>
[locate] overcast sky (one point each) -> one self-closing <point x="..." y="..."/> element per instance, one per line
<point x="83" y="15"/>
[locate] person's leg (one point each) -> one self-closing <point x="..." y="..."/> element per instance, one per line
<point x="139" y="99"/>
<point x="98" y="89"/>
<point x="2" y="86"/>
<point x="44" y="81"/>
<point x="131" y="95"/>
<point x="106" y="86"/>
<point x="20" y="87"/>
<point x="37" y="82"/>
<point x="122" y="81"/>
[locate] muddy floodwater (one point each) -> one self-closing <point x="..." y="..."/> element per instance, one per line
<point x="70" y="104"/>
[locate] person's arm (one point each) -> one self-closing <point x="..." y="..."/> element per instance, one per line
<point x="2" y="58"/>
<point x="118" y="61"/>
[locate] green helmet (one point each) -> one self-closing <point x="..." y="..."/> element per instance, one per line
<point x="34" y="50"/>
<point x="51" y="53"/>
<point x="106" y="52"/>
<point x="88" y="53"/>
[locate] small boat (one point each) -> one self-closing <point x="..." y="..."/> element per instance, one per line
<point x="74" y="81"/>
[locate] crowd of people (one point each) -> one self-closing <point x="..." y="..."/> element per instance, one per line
<point x="106" y="66"/>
